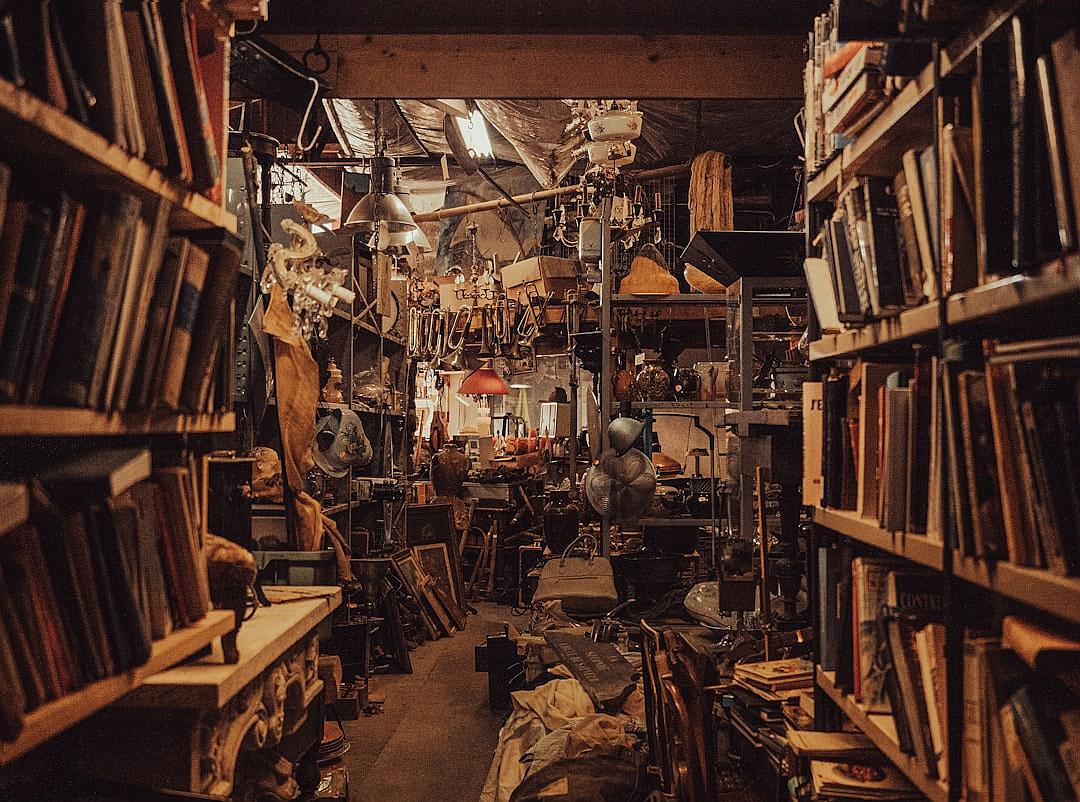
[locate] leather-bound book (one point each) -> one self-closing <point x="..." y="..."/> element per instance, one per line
<point x="27" y="663"/>
<point x="12" y="698"/>
<point x="983" y="488"/>
<point x="225" y="251"/>
<point x="34" y="255"/>
<point x="51" y="294"/>
<point x="89" y="315"/>
<point x="187" y="310"/>
<point x="159" y="320"/>
<point x="176" y="23"/>
<point x="911" y="274"/>
<point x="1065" y="56"/>
<point x="99" y="473"/>
<point x="887" y="256"/>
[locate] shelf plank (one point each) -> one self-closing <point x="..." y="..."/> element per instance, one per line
<point x="54" y="717"/>
<point x="1058" y="280"/>
<point x="674" y="405"/>
<point x="914" y="547"/>
<point x="1036" y="587"/>
<point x="694" y="298"/>
<point x="881" y="729"/>
<point x="694" y="522"/>
<point x="65" y="148"/>
<point x="35" y="421"/>
<point x="209" y="684"/>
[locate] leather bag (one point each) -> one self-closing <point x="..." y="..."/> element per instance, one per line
<point x="584" y="585"/>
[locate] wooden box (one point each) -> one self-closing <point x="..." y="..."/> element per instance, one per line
<point x="544" y="273"/>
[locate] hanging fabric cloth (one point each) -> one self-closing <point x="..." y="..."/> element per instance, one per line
<point x="297" y="380"/>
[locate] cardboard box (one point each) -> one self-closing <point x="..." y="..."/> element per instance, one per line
<point x="544" y="273"/>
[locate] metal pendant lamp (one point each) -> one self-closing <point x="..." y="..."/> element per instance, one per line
<point x="484" y="381"/>
<point x="380" y="207"/>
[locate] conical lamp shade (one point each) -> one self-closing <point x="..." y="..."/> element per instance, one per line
<point x="387" y="209"/>
<point x="484" y="381"/>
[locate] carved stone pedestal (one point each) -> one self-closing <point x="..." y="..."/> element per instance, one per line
<point x="228" y="730"/>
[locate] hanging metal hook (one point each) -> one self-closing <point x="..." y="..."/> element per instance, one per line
<point x="305" y="147"/>
<point x="316" y="52"/>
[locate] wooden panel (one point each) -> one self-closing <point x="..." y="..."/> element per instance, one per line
<point x="37" y="421"/>
<point x="560" y="66"/>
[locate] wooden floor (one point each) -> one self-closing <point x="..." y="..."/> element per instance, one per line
<point x="436" y="736"/>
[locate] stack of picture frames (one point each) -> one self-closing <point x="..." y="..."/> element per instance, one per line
<point x="430" y="569"/>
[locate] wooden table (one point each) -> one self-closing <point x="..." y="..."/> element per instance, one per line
<point x="189" y="727"/>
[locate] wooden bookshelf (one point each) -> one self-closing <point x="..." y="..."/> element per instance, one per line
<point x="914" y="547"/>
<point x="43" y="421"/>
<point x="1005" y="299"/>
<point x="1036" y="587"/>
<point x="57" y="716"/>
<point x="881" y="729"/>
<point x="877" y="149"/>
<point x="65" y="148"/>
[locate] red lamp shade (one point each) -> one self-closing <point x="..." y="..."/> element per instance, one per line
<point x="484" y="381"/>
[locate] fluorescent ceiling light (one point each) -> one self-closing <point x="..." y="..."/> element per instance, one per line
<point x="474" y="132"/>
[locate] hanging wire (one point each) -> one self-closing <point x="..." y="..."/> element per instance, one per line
<point x="305" y="146"/>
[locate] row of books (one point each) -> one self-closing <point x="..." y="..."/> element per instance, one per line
<point x="1010" y="187"/>
<point x="101" y="307"/>
<point x="129" y="69"/>
<point x="1003" y="434"/>
<point x="883" y="634"/>
<point x="108" y="562"/>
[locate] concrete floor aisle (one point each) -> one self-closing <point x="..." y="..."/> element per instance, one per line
<point x="434" y="740"/>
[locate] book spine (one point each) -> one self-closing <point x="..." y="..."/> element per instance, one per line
<point x="32" y="256"/>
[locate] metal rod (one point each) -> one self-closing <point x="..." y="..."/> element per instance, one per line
<point x="607" y="284"/>
<point x="541" y="194"/>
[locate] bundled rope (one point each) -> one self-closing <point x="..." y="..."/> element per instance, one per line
<point x="711" y="201"/>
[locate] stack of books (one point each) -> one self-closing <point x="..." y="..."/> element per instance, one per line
<point x="842" y="780"/>
<point x="776" y="677"/>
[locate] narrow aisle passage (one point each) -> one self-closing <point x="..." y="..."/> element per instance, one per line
<point x="436" y="735"/>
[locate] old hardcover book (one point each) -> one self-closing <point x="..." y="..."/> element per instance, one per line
<point x="1057" y="155"/>
<point x="215" y="303"/>
<point x="15" y="219"/>
<point x="103" y="473"/>
<point x="893" y="458"/>
<point x="187" y="310"/>
<point x="191" y="95"/>
<point x="887" y="256"/>
<point x="871" y="377"/>
<point x="959" y="356"/>
<point x="83" y="562"/>
<point x="813" y="442"/>
<point x="920" y="403"/>
<point x="928" y="172"/>
<point x="155" y="600"/>
<point x="851" y="308"/>
<point x="89" y="314"/>
<point x="834" y="406"/>
<point x="920" y="219"/>
<point x="1022" y="96"/>
<point x="137" y="319"/>
<point x="165" y="93"/>
<point x="819" y="283"/>
<point x="1046" y="650"/>
<point x="51" y="294"/>
<point x="1065" y="56"/>
<point x="159" y="322"/>
<point x="121" y="329"/>
<point x="858" y="241"/>
<point x="184" y="534"/>
<point x="869" y="589"/>
<point x="984" y="492"/>
<point x="1035" y="709"/>
<point x="68" y="579"/>
<point x="911" y="275"/>
<point x="901" y="638"/>
<point x="24" y="649"/>
<point x="143" y="84"/>
<point x="33" y="256"/>
<point x="959" y="244"/>
<point x="930" y="650"/>
<point x="12" y="698"/>
<point x="978" y="715"/>
<point x="1011" y="462"/>
<point x="992" y="148"/>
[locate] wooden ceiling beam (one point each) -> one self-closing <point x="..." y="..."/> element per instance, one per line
<point x="559" y="66"/>
<point x="544" y="16"/>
